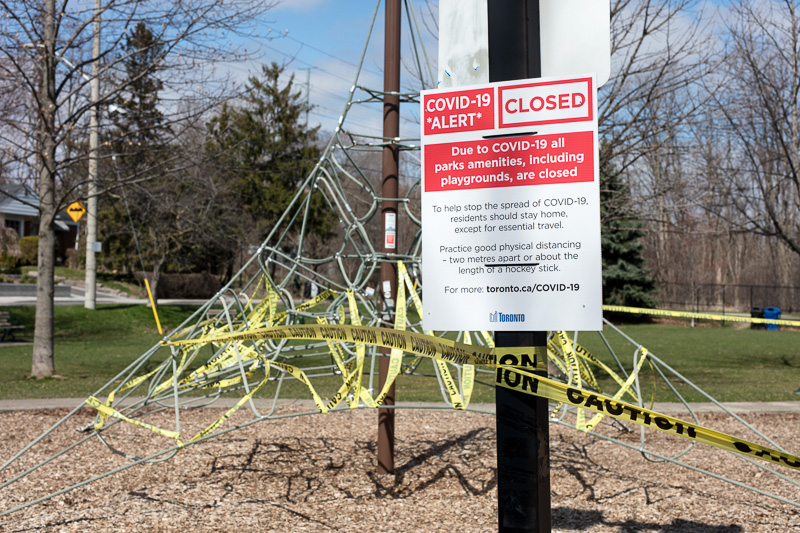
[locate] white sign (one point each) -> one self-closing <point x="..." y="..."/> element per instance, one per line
<point x="463" y="43"/>
<point x="575" y="37"/>
<point x="511" y="206"/>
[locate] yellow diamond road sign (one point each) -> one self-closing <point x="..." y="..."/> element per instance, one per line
<point x="76" y="211"/>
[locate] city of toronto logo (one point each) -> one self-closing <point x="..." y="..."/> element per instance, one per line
<point x="497" y="316"/>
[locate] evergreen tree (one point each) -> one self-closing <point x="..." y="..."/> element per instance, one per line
<point x="626" y="279"/>
<point x="181" y="215"/>
<point x="137" y="146"/>
<point x="138" y="121"/>
<point x="264" y="148"/>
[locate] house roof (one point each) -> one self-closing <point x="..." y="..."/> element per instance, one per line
<point x="13" y="200"/>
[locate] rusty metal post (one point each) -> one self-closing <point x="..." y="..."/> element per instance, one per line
<point x="389" y="218"/>
<point x="523" y="433"/>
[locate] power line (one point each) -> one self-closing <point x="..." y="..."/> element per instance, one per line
<point x="331" y="55"/>
<point x="295" y="58"/>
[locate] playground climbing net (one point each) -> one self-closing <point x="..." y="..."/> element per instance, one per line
<point x="302" y="318"/>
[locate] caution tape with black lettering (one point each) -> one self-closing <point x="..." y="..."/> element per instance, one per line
<point x="529" y="383"/>
<point x="512" y="377"/>
<point x="408" y="341"/>
<point x="507" y="362"/>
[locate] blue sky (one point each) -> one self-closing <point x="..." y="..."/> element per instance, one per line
<point x="321" y="42"/>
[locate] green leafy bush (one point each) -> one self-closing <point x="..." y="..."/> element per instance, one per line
<point x="9" y="263"/>
<point x="29" y="247"/>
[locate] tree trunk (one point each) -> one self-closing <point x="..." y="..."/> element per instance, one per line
<point x="43" y="350"/>
<point x="43" y="360"/>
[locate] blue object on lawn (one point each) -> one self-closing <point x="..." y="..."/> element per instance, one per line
<point x="773" y="313"/>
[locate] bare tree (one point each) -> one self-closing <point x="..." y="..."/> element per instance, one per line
<point x="659" y="51"/>
<point x="758" y="187"/>
<point x="45" y="47"/>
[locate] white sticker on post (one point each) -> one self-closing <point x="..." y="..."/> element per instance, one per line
<point x="387" y="288"/>
<point x="390" y="233"/>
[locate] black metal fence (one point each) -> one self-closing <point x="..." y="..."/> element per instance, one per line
<point x="727" y="298"/>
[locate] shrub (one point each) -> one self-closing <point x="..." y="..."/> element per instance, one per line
<point x="198" y="286"/>
<point x="29" y="249"/>
<point x="9" y="263"/>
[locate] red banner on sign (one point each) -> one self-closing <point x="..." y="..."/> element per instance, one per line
<point x="458" y="111"/>
<point x="510" y="162"/>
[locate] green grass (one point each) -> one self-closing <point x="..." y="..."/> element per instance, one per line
<point x="91" y="347"/>
<point x="730" y="364"/>
<point x="94" y="346"/>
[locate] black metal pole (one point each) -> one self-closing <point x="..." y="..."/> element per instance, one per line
<point x="391" y="130"/>
<point x="523" y="433"/>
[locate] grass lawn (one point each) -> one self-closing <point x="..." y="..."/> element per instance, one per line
<point x="92" y="347"/>
<point x="729" y="363"/>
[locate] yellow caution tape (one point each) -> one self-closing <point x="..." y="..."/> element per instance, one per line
<point x="131" y="383"/>
<point x="509" y="365"/>
<point x="400" y="323"/>
<point x="249" y="303"/>
<point x="449" y="384"/>
<point x="272" y="299"/>
<point x="488" y="339"/>
<point x="621" y="392"/>
<point x="351" y="377"/>
<point x="561" y="347"/>
<point x="106" y="411"/>
<point x="456" y="399"/>
<point x="574" y="374"/>
<point x="529" y="383"/>
<point x="699" y="316"/>
<point x="467" y="376"/>
<point x="585" y="354"/>
<point x="409" y="341"/>
<point x="361" y="349"/>
<point x="513" y="377"/>
<point x="110" y="412"/>
<point x="508" y="376"/>
<point x="232" y="410"/>
<point x="300" y="376"/>
<point x="555" y="355"/>
<point x="335" y="349"/>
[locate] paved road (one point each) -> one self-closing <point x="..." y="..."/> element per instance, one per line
<point x="103" y="297"/>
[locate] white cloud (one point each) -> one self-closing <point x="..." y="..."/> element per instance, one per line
<point x="298" y="5"/>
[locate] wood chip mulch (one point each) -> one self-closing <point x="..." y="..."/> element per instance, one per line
<point x="318" y="473"/>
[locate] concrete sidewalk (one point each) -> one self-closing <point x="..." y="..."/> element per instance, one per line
<point x="676" y="409"/>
